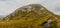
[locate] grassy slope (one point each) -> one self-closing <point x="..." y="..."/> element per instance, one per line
<point x="28" y="20"/>
<point x="22" y="23"/>
<point x="58" y="24"/>
<point x="31" y="22"/>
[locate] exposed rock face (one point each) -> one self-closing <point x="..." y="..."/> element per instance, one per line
<point x="29" y="11"/>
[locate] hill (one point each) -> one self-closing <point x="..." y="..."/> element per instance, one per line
<point x="32" y="10"/>
<point x="29" y="16"/>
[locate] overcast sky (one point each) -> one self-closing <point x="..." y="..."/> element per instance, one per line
<point x="8" y="6"/>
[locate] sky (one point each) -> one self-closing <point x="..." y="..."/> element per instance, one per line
<point x="9" y="6"/>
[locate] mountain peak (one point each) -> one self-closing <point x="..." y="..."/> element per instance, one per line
<point x="29" y="11"/>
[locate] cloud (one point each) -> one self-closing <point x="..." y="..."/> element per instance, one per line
<point x="8" y="6"/>
<point x="52" y="5"/>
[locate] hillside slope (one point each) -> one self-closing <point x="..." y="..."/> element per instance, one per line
<point x="29" y="16"/>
